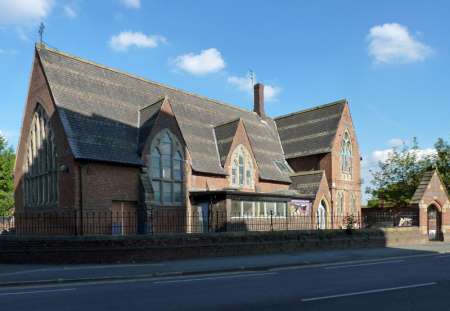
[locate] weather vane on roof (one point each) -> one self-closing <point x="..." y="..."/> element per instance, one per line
<point x="251" y="76"/>
<point x="41" y="31"/>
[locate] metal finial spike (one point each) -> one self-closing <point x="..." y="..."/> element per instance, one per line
<point x="41" y="31"/>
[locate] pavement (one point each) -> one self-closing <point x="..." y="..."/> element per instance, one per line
<point x="411" y="278"/>
<point x="28" y="275"/>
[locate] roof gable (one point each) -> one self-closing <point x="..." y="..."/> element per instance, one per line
<point x="427" y="178"/>
<point x="225" y="134"/>
<point x="101" y="109"/>
<point x="310" y="131"/>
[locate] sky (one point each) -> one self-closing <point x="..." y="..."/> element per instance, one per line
<point x="389" y="59"/>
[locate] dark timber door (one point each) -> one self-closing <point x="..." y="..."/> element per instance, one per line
<point x="434" y="224"/>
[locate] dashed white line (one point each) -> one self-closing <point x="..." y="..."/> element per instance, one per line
<point x="185" y="280"/>
<point x="38" y="291"/>
<point x="366" y="292"/>
<point x="364" y="264"/>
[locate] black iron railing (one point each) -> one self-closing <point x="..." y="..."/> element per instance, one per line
<point x="180" y="221"/>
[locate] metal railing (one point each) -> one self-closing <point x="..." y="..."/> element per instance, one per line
<point x="179" y="221"/>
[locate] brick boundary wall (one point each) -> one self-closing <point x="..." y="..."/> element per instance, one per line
<point x="106" y="249"/>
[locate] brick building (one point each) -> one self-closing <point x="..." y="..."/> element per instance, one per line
<point x="433" y="202"/>
<point x="97" y="141"/>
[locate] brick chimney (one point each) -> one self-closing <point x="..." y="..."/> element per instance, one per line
<point x="258" y="104"/>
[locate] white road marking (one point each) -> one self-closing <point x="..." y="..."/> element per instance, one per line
<point x="24" y="272"/>
<point x="38" y="291"/>
<point x="306" y="265"/>
<point x="373" y="291"/>
<point x="364" y="264"/>
<point x="113" y="266"/>
<point x="184" y="280"/>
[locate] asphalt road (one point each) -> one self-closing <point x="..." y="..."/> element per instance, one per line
<point x="416" y="283"/>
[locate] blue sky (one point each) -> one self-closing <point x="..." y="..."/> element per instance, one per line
<point x="390" y="59"/>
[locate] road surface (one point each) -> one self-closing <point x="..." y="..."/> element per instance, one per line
<point x="420" y="282"/>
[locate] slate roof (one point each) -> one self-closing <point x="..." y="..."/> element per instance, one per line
<point x="307" y="183"/>
<point x="224" y="137"/>
<point x="310" y="131"/>
<point x="424" y="182"/>
<point x="100" y="109"/>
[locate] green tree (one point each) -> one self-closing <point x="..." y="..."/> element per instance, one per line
<point x="7" y="158"/>
<point x="442" y="161"/>
<point x="396" y="179"/>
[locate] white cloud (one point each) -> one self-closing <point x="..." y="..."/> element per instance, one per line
<point x="7" y="52"/>
<point x="126" y="39"/>
<point x="271" y="92"/>
<point x="70" y="11"/>
<point x="241" y="83"/>
<point x="18" y="12"/>
<point x="132" y="4"/>
<point x="245" y="84"/>
<point x="10" y="135"/>
<point x="207" y="61"/>
<point x="392" y="42"/>
<point x="395" y="142"/>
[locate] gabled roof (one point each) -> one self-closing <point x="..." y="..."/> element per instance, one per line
<point x="424" y="182"/>
<point x="100" y="110"/>
<point x="310" y="131"/>
<point x="307" y="183"/>
<point x="224" y="137"/>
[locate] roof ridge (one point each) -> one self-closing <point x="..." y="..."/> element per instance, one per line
<point x="301" y="173"/>
<point x="68" y="55"/>
<point x="337" y="102"/>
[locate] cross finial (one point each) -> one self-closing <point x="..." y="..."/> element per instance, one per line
<point x="41" y="31"/>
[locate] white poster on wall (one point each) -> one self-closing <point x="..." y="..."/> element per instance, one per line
<point x="301" y="207"/>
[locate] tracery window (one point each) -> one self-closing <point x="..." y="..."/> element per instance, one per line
<point x="340" y="204"/>
<point x="166" y="169"/>
<point x="242" y="173"/>
<point x="346" y="154"/>
<point x="40" y="171"/>
<point x="353" y="205"/>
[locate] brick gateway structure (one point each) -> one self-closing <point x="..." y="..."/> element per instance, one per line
<point x="428" y="210"/>
<point x="433" y="204"/>
<point x="151" y="158"/>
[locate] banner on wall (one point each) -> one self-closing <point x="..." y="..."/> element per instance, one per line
<point x="301" y="207"/>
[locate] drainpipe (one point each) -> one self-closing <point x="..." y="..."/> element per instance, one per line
<point x="80" y="194"/>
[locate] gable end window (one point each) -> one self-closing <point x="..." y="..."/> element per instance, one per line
<point x="242" y="173"/>
<point x="346" y="154"/>
<point x="40" y="171"/>
<point x="166" y="169"/>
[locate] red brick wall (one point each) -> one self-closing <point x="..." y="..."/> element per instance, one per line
<point x="67" y="181"/>
<point x="338" y="181"/>
<point x="435" y="195"/>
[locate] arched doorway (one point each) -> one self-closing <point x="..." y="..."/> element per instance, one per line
<point x="321" y="215"/>
<point x="434" y="223"/>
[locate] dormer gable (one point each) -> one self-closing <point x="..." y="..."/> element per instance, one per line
<point x="234" y="145"/>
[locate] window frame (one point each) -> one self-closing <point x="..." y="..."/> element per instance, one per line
<point x="256" y="208"/>
<point x="346" y="155"/>
<point x="242" y="168"/>
<point x="169" y="159"/>
<point x="40" y="186"/>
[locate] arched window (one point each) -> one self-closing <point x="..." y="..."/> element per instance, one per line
<point x="40" y="172"/>
<point x="340" y="204"/>
<point x="346" y="154"/>
<point x="242" y="173"/>
<point x="166" y="169"/>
